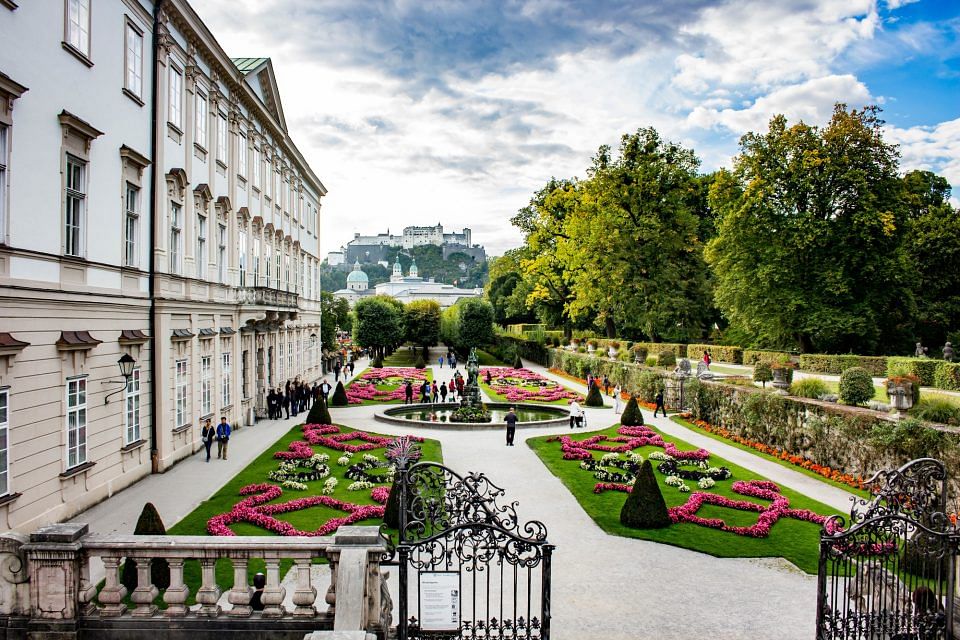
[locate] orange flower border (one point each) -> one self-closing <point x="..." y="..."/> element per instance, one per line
<point x="857" y="482"/>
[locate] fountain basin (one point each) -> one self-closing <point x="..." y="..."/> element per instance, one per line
<point x="528" y="416"/>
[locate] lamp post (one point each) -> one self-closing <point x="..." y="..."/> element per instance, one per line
<point x="126" y="364"/>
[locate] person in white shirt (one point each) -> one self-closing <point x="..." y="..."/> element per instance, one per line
<point x="617" y="400"/>
<point x="576" y="414"/>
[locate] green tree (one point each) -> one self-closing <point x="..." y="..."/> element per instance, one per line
<point x="379" y="324"/>
<point x="933" y="242"/>
<point x="507" y="291"/>
<point x="334" y="312"/>
<point x="421" y="320"/>
<point x="633" y="250"/>
<point x="808" y="249"/>
<point x="468" y="323"/>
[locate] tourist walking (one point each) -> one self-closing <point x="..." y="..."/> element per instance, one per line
<point x="460" y="387"/>
<point x="441" y="362"/>
<point x="408" y="393"/>
<point x="325" y="389"/>
<point x="336" y="371"/>
<point x="443" y="392"/>
<point x="425" y="392"/>
<point x="617" y="391"/>
<point x="223" y="437"/>
<point x="576" y="414"/>
<point x="452" y="359"/>
<point x="606" y="385"/>
<point x="270" y="401"/>
<point x="706" y="358"/>
<point x="207" y="436"/>
<point x="511" y="420"/>
<point x="659" y="402"/>
<point x="435" y="391"/>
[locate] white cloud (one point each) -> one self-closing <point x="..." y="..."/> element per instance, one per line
<point x="935" y="148"/>
<point x="811" y="101"/>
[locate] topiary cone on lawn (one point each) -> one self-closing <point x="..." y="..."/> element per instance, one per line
<point x="319" y="414"/>
<point x="391" y="511"/>
<point x="517" y="362"/>
<point x="339" y="398"/>
<point x="594" y="399"/>
<point x="149" y="524"/>
<point x="631" y="417"/>
<point x="645" y="508"/>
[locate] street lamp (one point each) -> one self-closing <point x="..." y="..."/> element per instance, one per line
<point x="126" y="364"/>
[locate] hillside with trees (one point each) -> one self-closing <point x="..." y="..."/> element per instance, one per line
<point x="458" y="269"/>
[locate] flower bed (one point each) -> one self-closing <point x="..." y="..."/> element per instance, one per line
<point x="386" y="385"/>
<point x="716" y="506"/>
<point x="523" y="385"/>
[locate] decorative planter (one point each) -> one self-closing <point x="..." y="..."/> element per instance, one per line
<point x="781" y="380"/>
<point x="591" y="348"/>
<point x="611" y="352"/>
<point x="901" y="396"/>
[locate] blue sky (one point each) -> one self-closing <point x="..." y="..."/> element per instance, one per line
<point x="418" y="111"/>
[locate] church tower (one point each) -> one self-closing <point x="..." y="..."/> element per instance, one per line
<point x="397" y="270"/>
<point x="413" y="268"/>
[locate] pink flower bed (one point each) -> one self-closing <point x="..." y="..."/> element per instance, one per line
<point x="508" y="382"/>
<point x="629" y="438"/>
<point x="253" y="511"/>
<point x="364" y="387"/>
<point x="328" y="435"/>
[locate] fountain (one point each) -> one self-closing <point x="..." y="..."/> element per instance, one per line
<point x="472" y="412"/>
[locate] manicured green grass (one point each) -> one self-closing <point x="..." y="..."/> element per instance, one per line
<point x="195" y="523"/>
<point x="402" y="357"/>
<point x="783" y="463"/>
<point x="485" y="359"/>
<point x="389" y="387"/>
<point x="794" y="540"/>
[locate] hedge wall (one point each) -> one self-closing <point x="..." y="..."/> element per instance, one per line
<point x="719" y="352"/>
<point x="508" y="347"/>
<point x="823" y="363"/>
<point x="924" y="368"/>
<point x="753" y="356"/>
<point x="947" y="376"/>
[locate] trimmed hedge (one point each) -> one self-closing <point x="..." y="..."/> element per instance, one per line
<point x="631" y="416"/>
<point x="666" y="358"/>
<point x="947" y="376"/>
<point x="924" y="368"/>
<point x="753" y="356"/>
<point x="339" y="398"/>
<point x="719" y="352"/>
<point x="823" y="363"/>
<point x="856" y="386"/>
<point x="319" y="414"/>
<point x="594" y="399"/>
<point x="645" y="507"/>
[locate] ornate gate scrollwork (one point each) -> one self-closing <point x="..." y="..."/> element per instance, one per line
<point x="498" y="568"/>
<point x="890" y="571"/>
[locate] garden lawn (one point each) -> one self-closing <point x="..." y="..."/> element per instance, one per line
<point x="485" y="359"/>
<point x="525" y="380"/>
<point x="404" y="357"/>
<point x="863" y="493"/>
<point x="195" y="523"/>
<point x="391" y="384"/>
<point x="792" y="539"/>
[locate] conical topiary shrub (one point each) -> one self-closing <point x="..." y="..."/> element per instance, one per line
<point x="319" y="414"/>
<point x="419" y="363"/>
<point x="594" y="399"/>
<point x="517" y="362"/>
<point x="645" y="508"/>
<point x="149" y="524"/>
<point x="339" y="398"/>
<point x="377" y="362"/>
<point x="631" y="416"/>
<point x="391" y="511"/>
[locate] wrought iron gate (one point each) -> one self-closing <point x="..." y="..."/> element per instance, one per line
<point x="890" y="572"/>
<point x="475" y="569"/>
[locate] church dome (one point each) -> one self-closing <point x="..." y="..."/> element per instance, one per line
<point x="357" y="277"/>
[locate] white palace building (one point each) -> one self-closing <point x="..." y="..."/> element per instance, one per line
<point x="159" y="239"/>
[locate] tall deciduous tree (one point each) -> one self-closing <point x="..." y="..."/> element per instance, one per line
<point x="633" y="249"/>
<point x="334" y="312"/>
<point x="379" y="324"/>
<point x="421" y="319"/>
<point x="808" y="251"/>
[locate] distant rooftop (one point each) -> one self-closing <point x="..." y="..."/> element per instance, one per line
<point x="246" y="65"/>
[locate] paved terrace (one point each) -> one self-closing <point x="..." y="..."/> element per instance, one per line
<point x="603" y="586"/>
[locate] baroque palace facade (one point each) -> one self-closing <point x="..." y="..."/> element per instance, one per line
<point x="152" y="207"/>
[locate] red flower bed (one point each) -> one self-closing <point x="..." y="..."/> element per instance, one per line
<point x="629" y="438"/>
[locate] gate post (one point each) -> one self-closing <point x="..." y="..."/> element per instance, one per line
<point x="545" y="585"/>
<point x="402" y="613"/>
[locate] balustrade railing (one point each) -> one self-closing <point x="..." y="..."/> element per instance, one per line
<point x="55" y="565"/>
<point x="267" y="297"/>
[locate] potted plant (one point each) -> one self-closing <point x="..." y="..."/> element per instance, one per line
<point x="574" y="344"/>
<point x="903" y="391"/>
<point x="613" y="348"/>
<point x="591" y="346"/>
<point x="782" y="374"/>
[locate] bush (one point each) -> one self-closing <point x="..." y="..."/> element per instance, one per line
<point x="645" y="507"/>
<point x="594" y="399"/>
<point x="419" y="362"/>
<point x="856" y="386"/>
<point x="947" y="376"/>
<point x="666" y="358"/>
<point x="908" y="437"/>
<point x="762" y="373"/>
<point x="148" y="524"/>
<point x="319" y="414"/>
<point x="339" y="398"/>
<point x="937" y="410"/>
<point x="517" y="362"/>
<point x="651" y="361"/>
<point x="719" y="352"/>
<point x="377" y="362"/>
<point x="649" y="384"/>
<point x="822" y="363"/>
<point x="924" y="368"/>
<point x="809" y="388"/>
<point x="631" y="416"/>
<point x="471" y="414"/>
<point x="678" y="350"/>
<point x="753" y="356"/>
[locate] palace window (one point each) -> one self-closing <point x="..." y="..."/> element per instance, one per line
<point x="200" y="119"/>
<point x="256" y="261"/>
<point x="130" y="227"/>
<point x="4" y="441"/>
<point x="222" y="254"/>
<point x="180" y="393"/>
<point x="132" y="396"/>
<point x="242" y="156"/>
<point x="222" y="137"/>
<point x="175" y="110"/>
<point x="225" y="373"/>
<point x="242" y="257"/>
<point x="133" y="79"/>
<point x="4" y="162"/>
<point x="201" y="256"/>
<point x="78" y="25"/>
<point x="75" y="204"/>
<point x="257" y="161"/>
<point x="176" y="236"/>
<point x="76" y="421"/>
<point x="206" y="385"/>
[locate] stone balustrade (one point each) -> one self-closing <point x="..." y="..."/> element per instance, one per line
<point x="45" y="585"/>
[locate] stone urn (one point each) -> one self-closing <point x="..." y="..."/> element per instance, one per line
<point x="591" y="348"/>
<point x="611" y="353"/>
<point x="781" y="379"/>
<point x="901" y="395"/>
